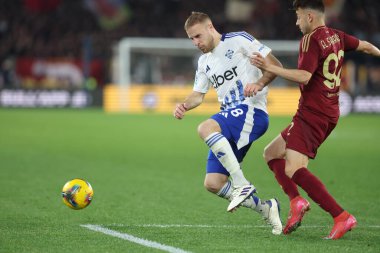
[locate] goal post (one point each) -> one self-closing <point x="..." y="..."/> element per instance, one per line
<point x="175" y="48"/>
<point x="153" y="74"/>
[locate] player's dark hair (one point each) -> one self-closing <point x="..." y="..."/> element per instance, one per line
<point x="196" y="18"/>
<point x="310" y="4"/>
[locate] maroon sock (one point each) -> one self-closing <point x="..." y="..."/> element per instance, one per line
<point x="288" y="186"/>
<point x="317" y="191"/>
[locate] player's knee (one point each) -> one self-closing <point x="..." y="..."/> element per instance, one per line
<point x="268" y="154"/>
<point x="202" y="129"/>
<point x="207" y="127"/>
<point x="212" y="186"/>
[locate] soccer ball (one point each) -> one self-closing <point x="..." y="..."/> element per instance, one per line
<point x="77" y="193"/>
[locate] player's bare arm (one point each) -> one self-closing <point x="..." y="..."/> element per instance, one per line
<point x="294" y="75"/>
<point x="252" y="88"/>
<point x="368" y="48"/>
<point x="192" y="101"/>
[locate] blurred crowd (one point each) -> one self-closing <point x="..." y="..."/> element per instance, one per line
<point x="80" y="29"/>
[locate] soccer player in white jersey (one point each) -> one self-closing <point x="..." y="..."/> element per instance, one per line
<point x="243" y="117"/>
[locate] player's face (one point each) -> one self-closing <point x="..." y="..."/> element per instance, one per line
<point x="303" y="20"/>
<point x="200" y="35"/>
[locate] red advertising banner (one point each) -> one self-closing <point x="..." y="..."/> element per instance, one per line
<point x="57" y="73"/>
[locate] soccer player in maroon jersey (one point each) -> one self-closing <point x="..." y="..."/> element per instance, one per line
<point x="321" y="54"/>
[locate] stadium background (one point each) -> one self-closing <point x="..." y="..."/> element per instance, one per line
<point x="61" y="53"/>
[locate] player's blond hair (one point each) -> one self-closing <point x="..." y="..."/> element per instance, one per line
<point x="196" y="18"/>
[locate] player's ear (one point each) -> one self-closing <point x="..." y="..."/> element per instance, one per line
<point x="210" y="26"/>
<point x="310" y="17"/>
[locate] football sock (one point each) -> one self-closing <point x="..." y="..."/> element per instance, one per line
<point x="287" y="185"/>
<point x="256" y="204"/>
<point x="317" y="191"/>
<point x="226" y="191"/>
<point x="252" y="201"/>
<point x="221" y="148"/>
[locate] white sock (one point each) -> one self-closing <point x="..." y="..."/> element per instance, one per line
<point x="253" y="202"/>
<point x="221" y="148"/>
<point x="226" y="191"/>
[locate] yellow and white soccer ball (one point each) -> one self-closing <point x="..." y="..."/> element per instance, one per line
<point x="77" y="193"/>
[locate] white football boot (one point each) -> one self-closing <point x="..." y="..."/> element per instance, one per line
<point x="272" y="216"/>
<point x="239" y="195"/>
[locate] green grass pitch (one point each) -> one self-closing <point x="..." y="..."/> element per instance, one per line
<point x="147" y="170"/>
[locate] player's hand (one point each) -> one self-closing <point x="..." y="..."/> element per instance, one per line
<point x="258" y="60"/>
<point x="251" y="89"/>
<point x="179" y="111"/>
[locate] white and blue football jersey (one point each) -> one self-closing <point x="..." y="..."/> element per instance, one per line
<point x="228" y="70"/>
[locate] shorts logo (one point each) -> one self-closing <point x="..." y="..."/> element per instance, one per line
<point x="229" y="54"/>
<point x="224" y="114"/>
<point x="290" y="128"/>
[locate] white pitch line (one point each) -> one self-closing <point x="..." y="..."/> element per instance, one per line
<point x="134" y="239"/>
<point x="218" y="226"/>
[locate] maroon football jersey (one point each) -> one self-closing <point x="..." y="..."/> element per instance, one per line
<point x="321" y="53"/>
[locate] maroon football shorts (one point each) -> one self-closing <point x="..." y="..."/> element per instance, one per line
<point x="307" y="132"/>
